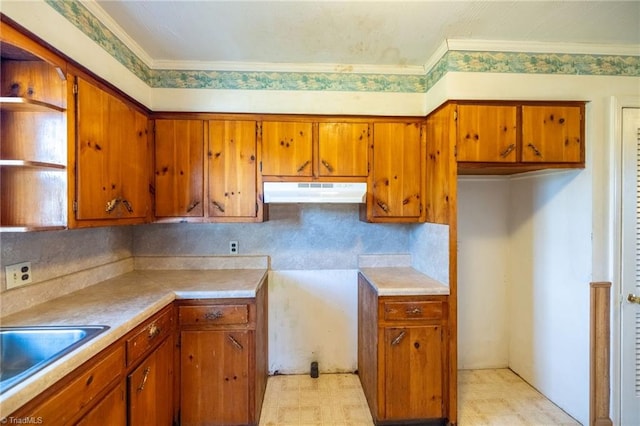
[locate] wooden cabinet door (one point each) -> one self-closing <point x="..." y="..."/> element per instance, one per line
<point x="179" y="168"/>
<point x="486" y="133"/>
<point x="552" y="134"/>
<point x="343" y="149"/>
<point x="112" y="156"/>
<point x="397" y="170"/>
<point x="150" y="388"/>
<point x="232" y="169"/>
<point x="214" y="377"/>
<point x="287" y="149"/>
<point x="413" y="372"/>
<point x="112" y="410"/>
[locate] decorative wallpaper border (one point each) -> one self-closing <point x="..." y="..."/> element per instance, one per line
<point x="452" y="61"/>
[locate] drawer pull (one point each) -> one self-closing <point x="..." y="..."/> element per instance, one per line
<point x="154" y="331"/>
<point x="235" y="342"/>
<point x="413" y="311"/>
<point x="211" y="316"/>
<point x="192" y="206"/>
<point x="398" y="339"/>
<point x="144" y="379"/>
<point x="302" y="167"/>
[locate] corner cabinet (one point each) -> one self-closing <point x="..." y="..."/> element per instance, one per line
<point x="223" y="360"/>
<point x="403" y="356"/>
<point x="113" y="159"/>
<point x="33" y="152"/>
<point x="396" y="179"/>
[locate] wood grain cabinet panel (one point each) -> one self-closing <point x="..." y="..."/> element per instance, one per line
<point x="150" y="388"/>
<point x="112" y="156"/>
<point x="396" y="177"/>
<point x="287" y="148"/>
<point x="232" y="169"/>
<point x="343" y="149"/>
<point x="179" y="168"/>
<point x="487" y="133"/>
<point x="215" y="377"/>
<point x="552" y="133"/>
<point x="112" y="410"/>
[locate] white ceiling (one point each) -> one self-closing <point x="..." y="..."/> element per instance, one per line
<point x="186" y="34"/>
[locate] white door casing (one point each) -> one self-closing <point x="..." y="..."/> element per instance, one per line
<point x="630" y="268"/>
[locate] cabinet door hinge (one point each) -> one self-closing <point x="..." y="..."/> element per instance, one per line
<point x="75" y="88"/>
<point x="256" y="209"/>
<point x="74" y="205"/>
<point x="259" y="129"/>
<point x="455" y="115"/>
<point x="260" y="166"/>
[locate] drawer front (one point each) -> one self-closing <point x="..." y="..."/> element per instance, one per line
<point x="214" y="314"/>
<point x="82" y="391"/>
<point x="148" y="335"/>
<point x="423" y="310"/>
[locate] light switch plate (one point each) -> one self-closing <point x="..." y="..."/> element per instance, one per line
<point x="18" y="275"/>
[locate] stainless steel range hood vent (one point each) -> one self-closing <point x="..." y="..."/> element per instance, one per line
<point x="315" y="192"/>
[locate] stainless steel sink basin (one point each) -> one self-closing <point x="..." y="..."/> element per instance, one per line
<point x="26" y="350"/>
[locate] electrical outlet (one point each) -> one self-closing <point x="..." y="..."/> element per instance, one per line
<point x="233" y="247"/>
<point x="18" y="274"/>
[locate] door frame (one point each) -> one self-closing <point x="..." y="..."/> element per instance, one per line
<point x="617" y="103"/>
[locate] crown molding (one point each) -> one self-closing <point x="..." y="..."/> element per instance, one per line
<point x="542" y="47"/>
<point x="287" y="67"/>
<point x="105" y="19"/>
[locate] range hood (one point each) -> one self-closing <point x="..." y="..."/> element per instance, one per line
<point x="315" y="192"/>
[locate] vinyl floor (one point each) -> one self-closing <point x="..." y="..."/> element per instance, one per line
<point x="485" y="397"/>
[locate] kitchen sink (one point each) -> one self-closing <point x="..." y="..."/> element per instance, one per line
<point x="26" y="350"/>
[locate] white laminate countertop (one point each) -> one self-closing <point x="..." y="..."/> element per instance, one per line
<point x="121" y="303"/>
<point x="403" y="281"/>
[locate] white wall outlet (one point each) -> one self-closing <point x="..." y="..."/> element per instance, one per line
<point x="18" y="274"/>
<point x="233" y="247"/>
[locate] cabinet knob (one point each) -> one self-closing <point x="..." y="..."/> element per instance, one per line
<point x="213" y="315"/>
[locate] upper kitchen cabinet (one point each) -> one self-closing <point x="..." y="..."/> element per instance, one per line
<point x="506" y="137"/>
<point x="113" y="159"/>
<point x="343" y="149"/>
<point x="487" y="133"/>
<point x="179" y="168"/>
<point x="33" y="152"/>
<point x="287" y="148"/>
<point x="553" y="133"/>
<point x="395" y="182"/>
<point x="232" y="158"/>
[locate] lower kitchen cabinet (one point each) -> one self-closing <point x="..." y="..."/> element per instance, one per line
<point x="112" y="410"/>
<point x="94" y="390"/>
<point x="223" y="360"/>
<point x="215" y="377"/>
<point x="402" y="355"/>
<point x="150" y="388"/>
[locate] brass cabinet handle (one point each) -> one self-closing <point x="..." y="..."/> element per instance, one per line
<point x="127" y="205"/>
<point x="111" y="205"/>
<point x="326" y="164"/>
<point x="192" y="206"/>
<point x="144" y="379"/>
<point x="383" y="206"/>
<point x="508" y="151"/>
<point x="218" y="206"/>
<point x="305" y="164"/>
<point x="154" y="331"/>
<point x="413" y="311"/>
<point x="633" y="298"/>
<point x="213" y="315"/>
<point x="399" y="338"/>
<point x="536" y="151"/>
<point x="235" y="342"/>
